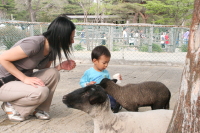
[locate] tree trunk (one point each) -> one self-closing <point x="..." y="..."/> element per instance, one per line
<point x="135" y="18"/>
<point x="144" y="18"/>
<point x="3" y="2"/>
<point x="97" y="13"/>
<point x="31" y="11"/>
<point x="85" y="16"/>
<point x="186" y="116"/>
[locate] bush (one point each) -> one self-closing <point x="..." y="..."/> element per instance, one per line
<point x="143" y="48"/>
<point x="10" y="35"/>
<point x="9" y="43"/>
<point x="155" y="48"/>
<point x="78" y="47"/>
<point x="184" y="48"/>
<point x="116" y="48"/>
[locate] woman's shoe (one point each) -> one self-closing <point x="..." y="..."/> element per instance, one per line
<point x="42" y="115"/>
<point x="13" y="115"/>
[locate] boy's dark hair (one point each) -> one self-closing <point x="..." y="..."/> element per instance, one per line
<point x="99" y="51"/>
<point x="58" y="35"/>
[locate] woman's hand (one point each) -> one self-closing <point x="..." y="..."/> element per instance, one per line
<point x="34" y="81"/>
<point x="66" y="65"/>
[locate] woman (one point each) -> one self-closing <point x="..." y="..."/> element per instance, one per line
<point x="32" y="92"/>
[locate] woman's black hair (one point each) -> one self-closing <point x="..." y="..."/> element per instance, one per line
<point x="99" y="51"/>
<point x="58" y="35"/>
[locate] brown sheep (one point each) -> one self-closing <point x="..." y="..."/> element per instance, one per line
<point x="133" y="96"/>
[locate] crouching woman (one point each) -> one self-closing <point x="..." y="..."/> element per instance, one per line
<point x="25" y="91"/>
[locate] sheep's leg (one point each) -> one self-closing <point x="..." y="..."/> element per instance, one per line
<point x="133" y="108"/>
<point x="117" y="108"/>
<point x="160" y="106"/>
<point x="157" y="105"/>
<point x="167" y="106"/>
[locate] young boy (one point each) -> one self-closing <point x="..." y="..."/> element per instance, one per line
<point x="100" y="57"/>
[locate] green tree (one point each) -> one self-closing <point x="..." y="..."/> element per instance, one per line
<point x="98" y="9"/>
<point x="129" y="11"/>
<point x="175" y="12"/>
<point x="41" y="10"/>
<point x="7" y="7"/>
<point x="73" y="7"/>
<point x="51" y="9"/>
<point x="86" y="6"/>
<point x="30" y="6"/>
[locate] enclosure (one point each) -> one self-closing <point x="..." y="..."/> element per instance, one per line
<point x="145" y="47"/>
<point x="133" y="42"/>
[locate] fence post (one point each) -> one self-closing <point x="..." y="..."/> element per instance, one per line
<point x="171" y="40"/>
<point x="92" y="37"/>
<point x="110" y="44"/>
<point x="41" y="29"/>
<point x="181" y="37"/>
<point x="150" y="40"/>
<point x="87" y="41"/>
<point x="31" y="30"/>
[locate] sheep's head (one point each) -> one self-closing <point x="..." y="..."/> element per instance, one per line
<point x="83" y="98"/>
<point x="104" y="82"/>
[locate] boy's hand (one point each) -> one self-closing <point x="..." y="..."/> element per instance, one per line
<point x="118" y="76"/>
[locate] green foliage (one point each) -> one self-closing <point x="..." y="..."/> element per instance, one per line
<point x="78" y="47"/>
<point x="125" y="10"/>
<point x="73" y="8"/>
<point x="116" y="48"/>
<point x="112" y="2"/>
<point x="169" y="11"/>
<point x="155" y="48"/>
<point x="7" y="7"/>
<point x="143" y="48"/>
<point x="173" y="12"/>
<point x="10" y="35"/>
<point x="184" y="48"/>
<point x="8" y="43"/>
<point x="79" y="27"/>
<point x="97" y="8"/>
<point x="21" y="15"/>
<point x="75" y="20"/>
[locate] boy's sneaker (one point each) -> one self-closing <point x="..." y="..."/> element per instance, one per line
<point x="13" y="115"/>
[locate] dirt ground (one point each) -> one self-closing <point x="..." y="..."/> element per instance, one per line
<point x="67" y="120"/>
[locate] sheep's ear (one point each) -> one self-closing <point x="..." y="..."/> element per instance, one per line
<point x="114" y="80"/>
<point x="96" y="99"/>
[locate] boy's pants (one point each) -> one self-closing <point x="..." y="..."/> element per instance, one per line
<point x="112" y="102"/>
